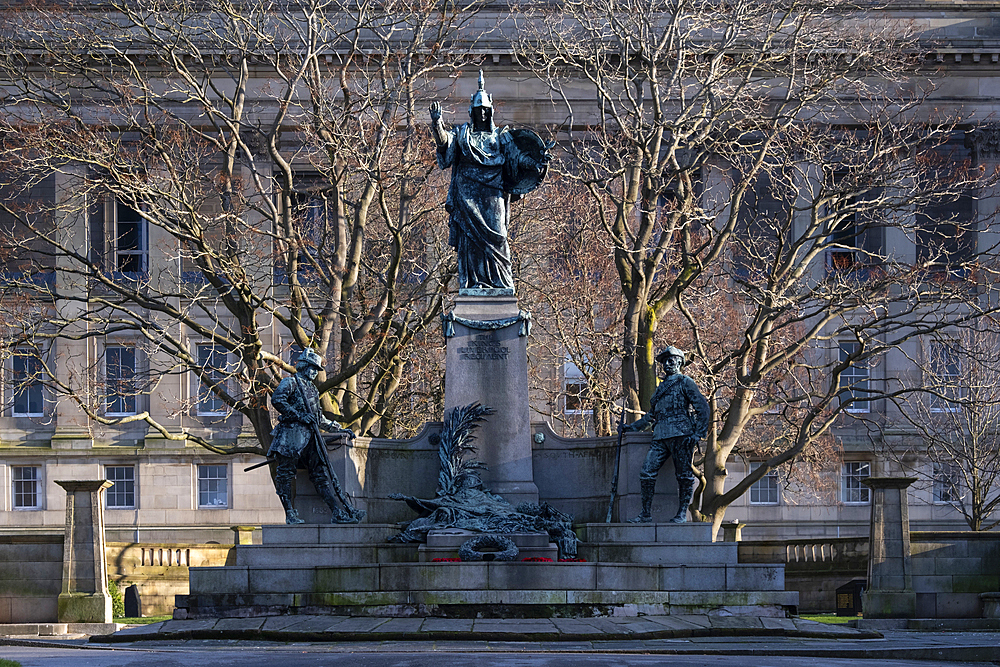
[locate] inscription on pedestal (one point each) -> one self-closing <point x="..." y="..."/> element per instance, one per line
<point x="484" y="347"/>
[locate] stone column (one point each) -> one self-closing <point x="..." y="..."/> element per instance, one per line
<point x="84" y="597"/>
<point x="890" y="588"/>
<point x="487" y="362"/>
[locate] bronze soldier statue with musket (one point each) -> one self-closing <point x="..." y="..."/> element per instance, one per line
<point x="679" y="416"/>
<point x="297" y="442"/>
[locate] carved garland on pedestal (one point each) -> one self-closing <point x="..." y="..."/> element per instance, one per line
<point x="504" y="547"/>
<point x="524" y="317"/>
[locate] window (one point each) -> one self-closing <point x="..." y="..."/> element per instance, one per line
<point x="27" y="383"/>
<point x="945" y="378"/>
<point x="212" y="359"/>
<point x="213" y="487"/>
<point x="853" y="492"/>
<point x="122" y="494"/>
<point x="311" y="241"/>
<point x="946" y="238"/>
<point x="946" y="483"/>
<point x="120" y="377"/>
<point x="27" y="482"/>
<point x="130" y="240"/>
<point x="854" y="381"/>
<point x="574" y="389"/>
<point x="765" y="490"/>
<point x="761" y="222"/>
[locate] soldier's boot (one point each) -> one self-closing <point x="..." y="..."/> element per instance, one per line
<point x="346" y="515"/>
<point x="685" y="491"/>
<point x="647" y="487"/>
<point x="283" y="487"/>
<point x="291" y="516"/>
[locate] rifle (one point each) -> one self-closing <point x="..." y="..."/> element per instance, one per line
<point x="618" y="465"/>
<point x="324" y="456"/>
<point x="260" y="465"/>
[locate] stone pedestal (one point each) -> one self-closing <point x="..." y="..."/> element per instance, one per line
<point x="445" y="544"/>
<point x="487" y="362"/>
<point x="84" y="597"/>
<point x="732" y="531"/>
<point x="890" y="588"/>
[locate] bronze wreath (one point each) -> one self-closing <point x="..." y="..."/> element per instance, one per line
<point x="471" y="550"/>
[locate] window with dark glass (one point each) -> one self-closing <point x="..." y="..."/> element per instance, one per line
<point x="27" y="386"/>
<point x="945" y="377"/>
<point x="765" y="490"/>
<point x="853" y="490"/>
<point x="121" y="495"/>
<point x="120" y="379"/>
<point x="26" y="481"/>
<point x="854" y="380"/>
<point x="213" y="487"/>
<point x="212" y="360"/>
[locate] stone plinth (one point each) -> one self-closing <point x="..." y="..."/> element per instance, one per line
<point x="890" y="587"/>
<point x="487" y="362"/>
<point x="991" y="604"/>
<point x="445" y="544"/>
<point x="84" y="597"/>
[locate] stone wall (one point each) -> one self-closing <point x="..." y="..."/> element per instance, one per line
<point x="31" y="568"/>
<point x="574" y="475"/>
<point x="950" y="569"/>
<point x="161" y="570"/>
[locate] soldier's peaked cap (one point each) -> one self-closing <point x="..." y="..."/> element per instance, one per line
<point x="310" y="357"/>
<point x="670" y="351"/>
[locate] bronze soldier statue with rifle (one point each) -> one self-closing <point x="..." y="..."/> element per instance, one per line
<point x="679" y="415"/>
<point x="297" y="442"/>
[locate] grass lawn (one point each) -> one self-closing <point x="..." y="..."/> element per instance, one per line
<point x="145" y="620"/>
<point x="827" y="618"/>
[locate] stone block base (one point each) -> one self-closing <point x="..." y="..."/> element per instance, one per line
<point x="991" y="605"/>
<point x="84" y="608"/>
<point x="446" y="543"/>
<point x="889" y="604"/>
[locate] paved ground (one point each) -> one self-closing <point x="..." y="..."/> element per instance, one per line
<point x="428" y="654"/>
<point x="256" y="641"/>
<point x="367" y="628"/>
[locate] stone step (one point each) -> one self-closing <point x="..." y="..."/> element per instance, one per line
<point x="670" y="533"/>
<point x="356" y="533"/>
<point x="500" y="603"/>
<point x="391" y="578"/>
<point x="326" y="555"/>
<point x="722" y="553"/>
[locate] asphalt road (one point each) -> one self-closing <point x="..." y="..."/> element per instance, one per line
<point x="283" y="655"/>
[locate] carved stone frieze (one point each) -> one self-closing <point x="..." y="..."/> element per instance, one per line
<point x="984" y="141"/>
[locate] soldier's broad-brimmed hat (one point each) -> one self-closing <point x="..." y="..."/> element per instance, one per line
<point x="671" y="351"/>
<point x="310" y="357"/>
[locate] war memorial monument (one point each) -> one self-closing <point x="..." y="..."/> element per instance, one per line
<point x="484" y="516"/>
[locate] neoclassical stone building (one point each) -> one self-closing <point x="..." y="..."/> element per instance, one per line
<point x="168" y="490"/>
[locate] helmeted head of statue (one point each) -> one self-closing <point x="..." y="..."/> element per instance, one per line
<point x="481" y="107"/>
<point x="309" y="359"/>
<point x="672" y="358"/>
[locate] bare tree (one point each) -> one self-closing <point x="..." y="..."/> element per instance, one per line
<point x="777" y="197"/>
<point x="231" y="174"/>
<point x="954" y="407"/>
<point x="567" y="279"/>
